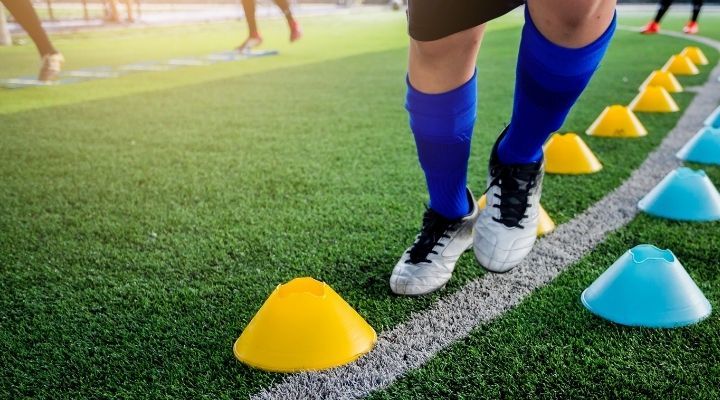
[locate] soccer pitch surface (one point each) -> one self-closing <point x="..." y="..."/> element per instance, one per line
<point x="144" y="219"/>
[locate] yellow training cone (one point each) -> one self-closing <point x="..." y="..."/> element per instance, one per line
<point x="680" y="65"/>
<point x="545" y="224"/>
<point x="617" y="121"/>
<point x="304" y="325"/>
<point x="665" y="79"/>
<point x="654" y="99"/>
<point x="695" y="54"/>
<point x="568" y="154"/>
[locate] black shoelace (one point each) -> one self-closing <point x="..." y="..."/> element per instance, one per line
<point x="515" y="183"/>
<point x="434" y="228"/>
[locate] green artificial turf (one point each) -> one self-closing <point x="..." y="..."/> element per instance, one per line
<point x="552" y="347"/>
<point x="144" y="219"/>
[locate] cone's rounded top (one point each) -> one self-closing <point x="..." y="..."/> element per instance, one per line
<point x="653" y="98"/>
<point x="665" y="79"/>
<point x="617" y="121"/>
<point x="302" y="286"/>
<point x="695" y="54"/>
<point x="568" y="154"/>
<point x="681" y="65"/>
<point x="647" y="252"/>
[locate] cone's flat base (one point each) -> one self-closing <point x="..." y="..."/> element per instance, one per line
<point x="658" y="325"/>
<point x="304" y="325"/>
<point x="703" y="148"/>
<point x="647" y="287"/>
<point x="683" y="195"/>
<point x="617" y="121"/>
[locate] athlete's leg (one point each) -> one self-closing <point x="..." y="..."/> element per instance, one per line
<point x="696" y="7"/>
<point x="51" y="59"/>
<point x="441" y="101"/>
<point x="562" y="44"/>
<point x="662" y="9"/>
<point x="129" y="9"/>
<point x="254" y="39"/>
<point x="26" y="16"/>
<point x="249" y="10"/>
<point x="284" y="6"/>
<point x="295" y="30"/>
<point x="654" y="25"/>
<point x="692" y="26"/>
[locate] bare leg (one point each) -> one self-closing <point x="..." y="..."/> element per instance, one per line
<point x="129" y="8"/>
<point x="444" y="64"/>
<point x="284" y="6"/>
<point x="26" y="16"/>
<point x="572" y="23"/>
<point x="249" y="8"/>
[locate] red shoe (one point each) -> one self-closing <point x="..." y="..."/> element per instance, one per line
<point x="250" y="43"/>
<point x="295" y="31"/>
<point x="651" y="28"/>
<point x="691" y="28"/>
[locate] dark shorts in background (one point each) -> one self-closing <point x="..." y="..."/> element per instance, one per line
<point x="435" y="19"/>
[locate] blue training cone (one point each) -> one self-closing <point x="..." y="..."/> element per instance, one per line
<point x="647" y="287"/>
<point x="713" y="120"/>
<point x="703" y="148"/>
<point x="684" y="195"/>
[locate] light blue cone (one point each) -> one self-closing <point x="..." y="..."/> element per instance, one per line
<point x="703" y="148"/>
<point x="647" y="287"/>
<point x="684" y="195"/>
<point x="713" y="120"/>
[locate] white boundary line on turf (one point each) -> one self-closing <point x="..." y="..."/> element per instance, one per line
<point x="412" y="343"/>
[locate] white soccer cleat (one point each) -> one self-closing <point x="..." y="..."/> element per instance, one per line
<point x="50" y="67"/>
<point x="429" y="263"/>
<point x="506" y="228"/>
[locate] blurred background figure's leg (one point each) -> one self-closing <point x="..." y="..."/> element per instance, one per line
<point x="654" y="26"/>
<point x="5" y="37"/>
<point x="295" y="30"/>
<point x="26" y="16"/>
<point x="254" y="39"/>
<point x="129" y="7"/>
<point x="692" y="26"/>
<point x="111" y="11"/>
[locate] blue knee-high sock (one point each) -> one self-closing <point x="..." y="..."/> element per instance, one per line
<point x="549" y="79"/>
<point x="442" y="125"/>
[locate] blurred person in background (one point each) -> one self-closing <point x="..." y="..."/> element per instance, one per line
<point x="51" y="59"/>
<point x="690" y="28"/>
<point x="254" y="38"/>
<point x="113" y="15"/>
